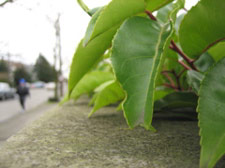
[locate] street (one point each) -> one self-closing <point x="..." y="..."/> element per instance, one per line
<point x="12" y="119"/>
<point x="11" y="107"/>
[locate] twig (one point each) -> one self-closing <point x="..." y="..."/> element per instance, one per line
<point x="5" y="2"/>
<point x="174" y="47"/>
<point x="185" y="9"/>
<point x="182" y="72"/>
<point x="184" y="65"/>
<point x="151" y="16"/>
<point x="170" y="86"/>
<point x="177" y="77"/>
<point x="165" y="73"/>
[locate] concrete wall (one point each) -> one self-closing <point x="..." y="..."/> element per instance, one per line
<point x="66" y="138"/>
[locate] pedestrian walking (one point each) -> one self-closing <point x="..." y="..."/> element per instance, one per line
<point x="23" y="92"/>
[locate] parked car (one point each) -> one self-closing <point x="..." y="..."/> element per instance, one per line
<point x="38" y="84"/>
<point x="5" y="91"/>
<point x="50" y="86"/>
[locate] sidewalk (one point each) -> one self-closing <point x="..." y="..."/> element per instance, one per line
<point x="17" y="122"/>
<point x="11" y="107"/>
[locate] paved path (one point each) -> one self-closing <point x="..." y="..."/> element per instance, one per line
<point x="17" y="122"/>
<point x="10" y="108"/>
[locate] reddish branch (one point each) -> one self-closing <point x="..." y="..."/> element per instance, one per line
<point x="212" y="44"/>
<point x="182" y="72"/>
<point x="165" y="73"/>
<point x="174" y="47"/>
<point x="151" y="16"/>
<point x="177" y="77"/>
<point x="184" y="65"/>
<point x="170" y="86"/>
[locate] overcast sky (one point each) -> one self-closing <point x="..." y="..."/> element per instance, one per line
<point x="27" y="28"/>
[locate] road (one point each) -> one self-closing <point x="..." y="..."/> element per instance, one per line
<point x="12" y="119"/>
<point x="10" y="108"/>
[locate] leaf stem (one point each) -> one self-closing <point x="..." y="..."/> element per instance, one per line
<point x="170" y="86"/>
<point x="184" y="65"/>
<point x="83" y="6"/>
<point x="182" y="72"/>
<point x="151" y="16"/>
<point x="177" y="77"/>
<point x="165" y="73"/>
<point x="175" y="48"/>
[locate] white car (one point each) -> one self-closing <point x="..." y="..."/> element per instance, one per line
<point x="50" y="86"/>
<point x="5" y="91"/>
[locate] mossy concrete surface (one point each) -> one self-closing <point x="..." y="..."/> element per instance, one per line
<point x="66" y="138"/>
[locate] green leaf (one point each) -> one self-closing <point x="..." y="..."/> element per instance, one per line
<point x="89" y="82"/>
<point x="109" y="93"/>
<point x="178" y="22"/>
<point x="204" y="62"/>
<point x="64" y="100"/>
<point x="177" y="100"/>
<point x="194" y="80"/>
<point x="218" y="51"/>
<point x="164" y="14"/>
<point x="211" y="109"/>
<point x="136" y="57"/>
<point x="202" y="27"/>
<point x="114" y="14"/>
<point x="86" y="57"/>
<point x="91" y="25"/>
<point x="91" y="12"/>
<point x="153" y="5"/>
<point x="136" y="54"/>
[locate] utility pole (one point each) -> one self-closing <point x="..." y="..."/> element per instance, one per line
<point x="58" y="54"/>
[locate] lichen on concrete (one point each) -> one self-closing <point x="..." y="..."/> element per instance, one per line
<point x="66" y="138"/>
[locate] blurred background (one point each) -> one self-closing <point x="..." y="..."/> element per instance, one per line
<point x="37" y="42"/>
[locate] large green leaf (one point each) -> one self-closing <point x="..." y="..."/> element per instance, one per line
<point x="211" y="109"/>
<point x="218" y="51"/>
<point x="136" y="54"/>
<point x="202" y="27"/>
<point x="194" y="80"/>
<point x="136" y="57"/>
<point x="114" y="14"/>
<point x="204" y="62"/>
<point x="86" y="57"/>
<point x="109" y="93"/>
<point x="89" y="82"/>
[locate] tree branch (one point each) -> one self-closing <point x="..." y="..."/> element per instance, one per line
<point x="184" y="65"/>
<point x="177" y="80"/>
<point x="170" y="86"/>
<point x="7" y="1"/>
<point x="151" y="16"/>
<point x="165" y="73"/>
<point x="174" y="47"/>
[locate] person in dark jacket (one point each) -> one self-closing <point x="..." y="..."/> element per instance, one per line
<point x="23" y="92"/>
